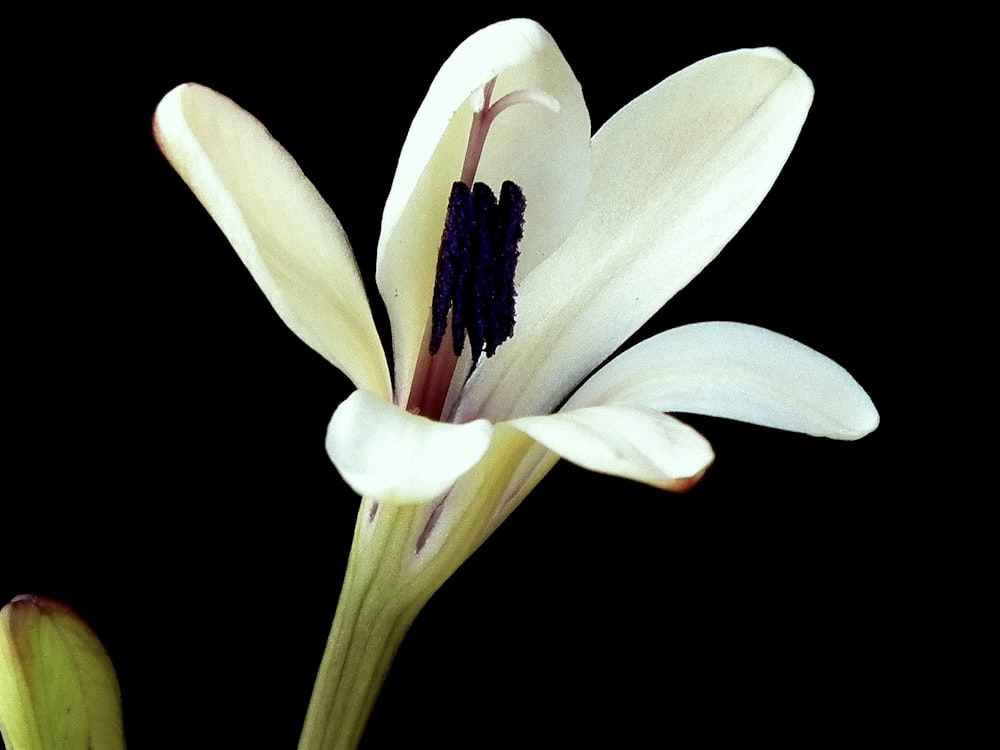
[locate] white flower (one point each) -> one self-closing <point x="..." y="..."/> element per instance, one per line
<point x="614" y="226"/>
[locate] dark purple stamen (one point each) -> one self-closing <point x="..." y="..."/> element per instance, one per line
<point x="476" y="264"/>
<point x="510" y="229"/>
<point x="451" y="258"/>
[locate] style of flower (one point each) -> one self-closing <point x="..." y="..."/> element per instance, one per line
<point x="613" y="226"/>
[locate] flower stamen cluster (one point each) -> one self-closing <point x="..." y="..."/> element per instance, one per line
<point x="476" y="265"/>
<point x="477" y="260"/>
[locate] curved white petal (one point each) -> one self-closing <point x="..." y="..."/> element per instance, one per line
<point x="632" y="442"/>
<point x="547" y="153"/>
<point x="676" y="174"/>
<point x="385" y="453"/>
<point x="283" y="231"/>
<point x="740" y="372"/>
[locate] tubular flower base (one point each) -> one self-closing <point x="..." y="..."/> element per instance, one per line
<point x="613" y="226"/>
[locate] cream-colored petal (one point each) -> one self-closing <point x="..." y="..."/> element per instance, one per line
<point x="388" y="454"/>
<point x="736" y="371"/>
<point x="676" y="174"/>
<point x="547" y="153"/>
<point x="633" y="442"/>
<point x="283" y="231"/>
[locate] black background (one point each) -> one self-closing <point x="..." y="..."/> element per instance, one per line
<point x="167" y="475"/>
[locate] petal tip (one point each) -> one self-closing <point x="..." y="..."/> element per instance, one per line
<point x="686" y="484"/>
<point x="795" y="73"/>
<point x="168" y="117"/>
<point x="866" y="421"/>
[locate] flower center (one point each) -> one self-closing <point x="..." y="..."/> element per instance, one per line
<point x="474" y="282"/>
<point x="478" y="255"/>
<point x="476" y="264"/>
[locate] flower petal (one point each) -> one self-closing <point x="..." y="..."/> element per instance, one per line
<point x="547" y="153"/>
<point x="283" y="231"/>
<point x="676" y="174"/>
<point x="385" y="453"/>
<point x="740" y="372"/>
<point x="636" y="443"/>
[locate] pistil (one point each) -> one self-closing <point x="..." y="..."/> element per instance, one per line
<point x="483" y="115"/>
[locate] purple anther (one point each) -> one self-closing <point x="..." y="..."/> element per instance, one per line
<point x="476" y="265"/>
<point x="454" y="246"/>
<point x="510" y="230"/>
<point x="479" y="291"/>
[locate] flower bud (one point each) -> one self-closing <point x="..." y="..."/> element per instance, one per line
<point x="58" y="689"/>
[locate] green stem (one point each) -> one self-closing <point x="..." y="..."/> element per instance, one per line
<point x="377" y="605"/>
<point x="394" y="568"/>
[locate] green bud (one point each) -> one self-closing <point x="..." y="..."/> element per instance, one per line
<point x="58" y="689"/>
